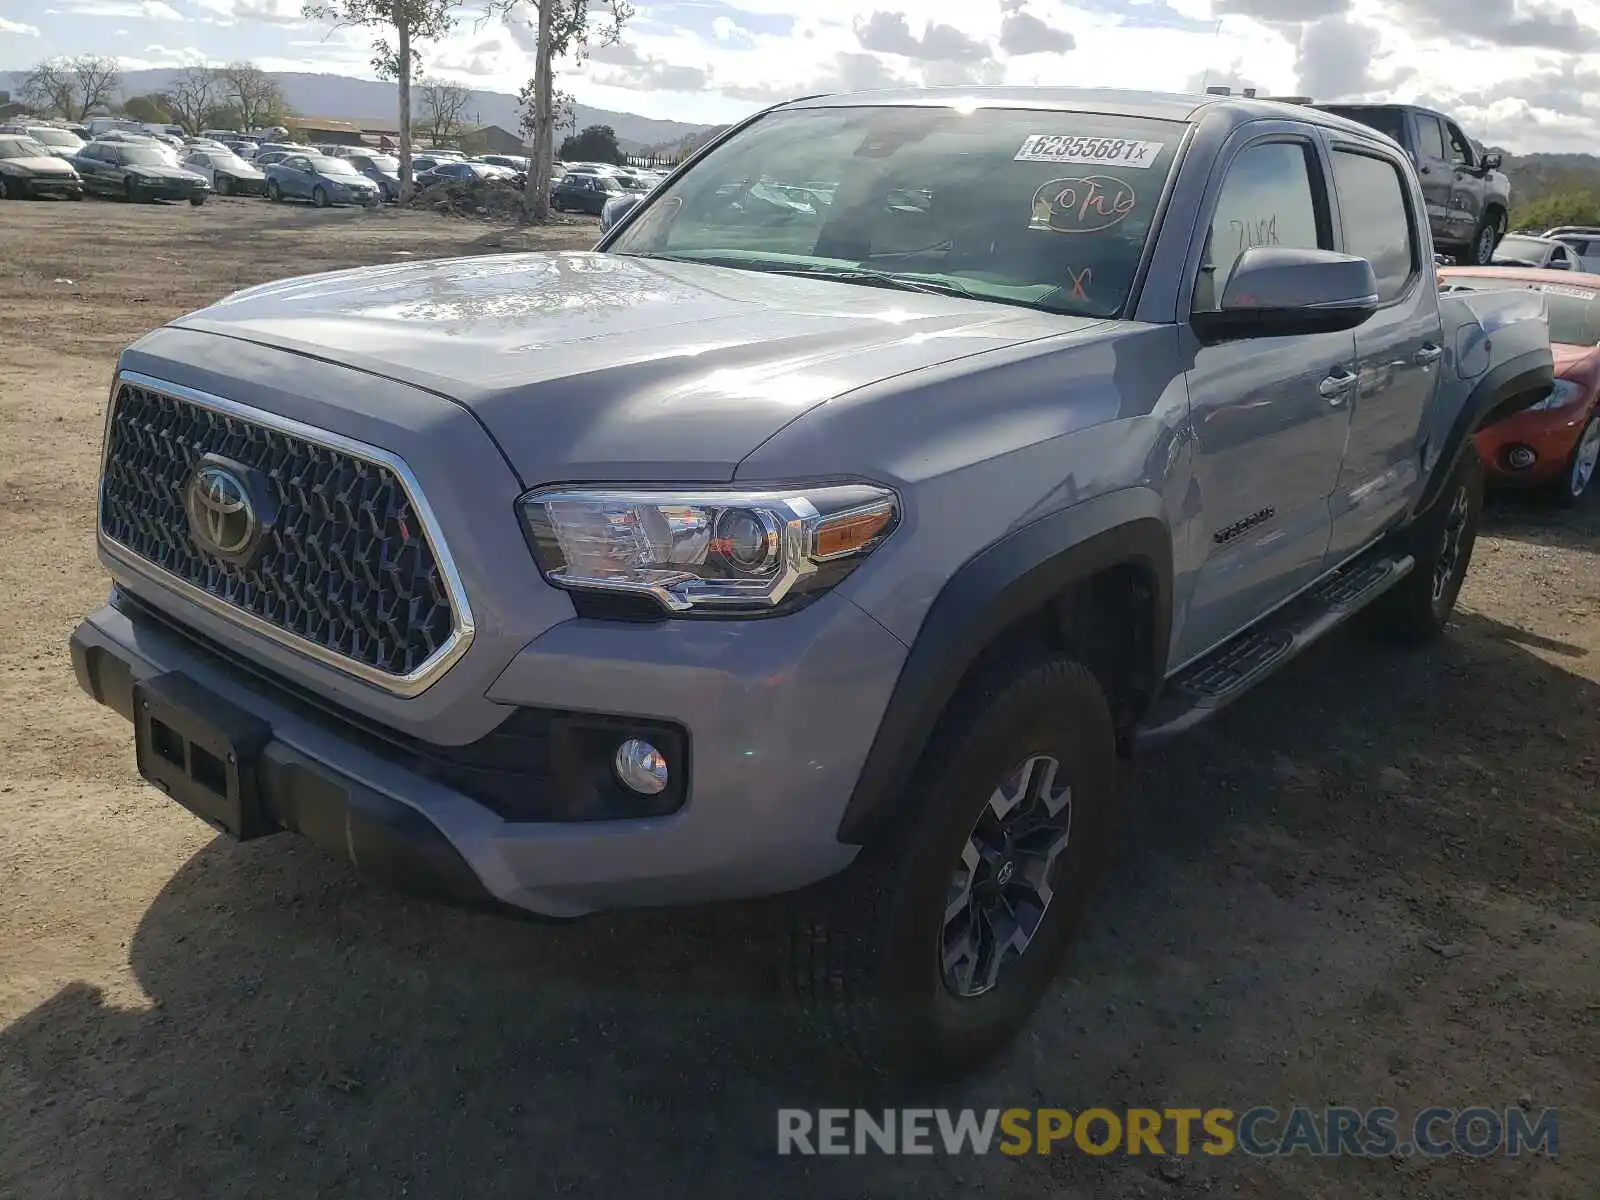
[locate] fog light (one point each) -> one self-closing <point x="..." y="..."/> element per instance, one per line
<point x="1520" y="458"/>
<point x="641" y="767"/>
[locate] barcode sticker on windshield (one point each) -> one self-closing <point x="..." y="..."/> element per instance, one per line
<point x="1067" y="148"/>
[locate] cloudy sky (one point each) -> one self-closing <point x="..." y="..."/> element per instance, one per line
<point x="1520" y="73"/>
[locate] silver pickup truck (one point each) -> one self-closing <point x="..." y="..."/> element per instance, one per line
<point x="832" y="528"/>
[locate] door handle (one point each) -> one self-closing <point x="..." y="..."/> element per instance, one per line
<point x="1428" y="355"/>
<point x="1335" y="387"/>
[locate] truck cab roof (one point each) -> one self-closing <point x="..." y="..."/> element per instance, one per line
<point x="1168" y="106"/>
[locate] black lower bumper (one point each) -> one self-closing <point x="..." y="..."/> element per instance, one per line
<point x="382" y="837"/>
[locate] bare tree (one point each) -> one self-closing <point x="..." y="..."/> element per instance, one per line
<point x="411" y="21"/>
<point x="72" y="87"/>
<point x="442" y="108"/>
<point x="564" y="28"/>
<point x="194" y="92"/>
<point x="252" y="94"/>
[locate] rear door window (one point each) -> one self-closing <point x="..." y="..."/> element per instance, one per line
<point x="1430" y="137"/>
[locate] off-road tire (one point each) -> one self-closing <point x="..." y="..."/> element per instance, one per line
<point x="865" y="955"/>
<point x="1418" y="608"/>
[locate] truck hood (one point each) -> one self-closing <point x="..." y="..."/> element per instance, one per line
<point x="598" y="366"/>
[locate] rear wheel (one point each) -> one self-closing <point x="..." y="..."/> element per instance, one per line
<point x="1441" y="541"/>
<point x="1582" y="466"/>
<point x="929" y="954"/>
<point x="1480" y="249"/>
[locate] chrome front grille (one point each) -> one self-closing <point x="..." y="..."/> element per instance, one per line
<point x="350" y="570"/>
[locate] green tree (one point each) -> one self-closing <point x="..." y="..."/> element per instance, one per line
<point x="597" y="143"/>
<point x="564" y="28"/>
<point x="410" y="21"/>
<point x="152" y="110"/>
<point x="1561" y="208"/>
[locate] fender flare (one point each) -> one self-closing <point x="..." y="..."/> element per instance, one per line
<point x="1503" y="392"/>
<point x="1001" y="584"/>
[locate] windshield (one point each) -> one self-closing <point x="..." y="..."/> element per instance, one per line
<point x="21" y="147"/>
<point x="1045" y="209"/>
<point x="56" y="137"/>
<point x="1574" y="310"/>
<point x="143" y="156"/>
<point x="376" y="162"/>
<point x="331" y="166"/>
<point x="226" y="161"/>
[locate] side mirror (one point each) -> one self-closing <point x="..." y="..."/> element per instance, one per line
<point x="1279" y="292"/>
<point x="1492" y="161"/>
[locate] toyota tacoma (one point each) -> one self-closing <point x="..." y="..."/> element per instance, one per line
<point x="832" y="528"/>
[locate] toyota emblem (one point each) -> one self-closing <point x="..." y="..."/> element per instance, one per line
<point x="222" y="516"/>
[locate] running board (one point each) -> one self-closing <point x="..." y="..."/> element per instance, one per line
<point x="1221" y="677"/>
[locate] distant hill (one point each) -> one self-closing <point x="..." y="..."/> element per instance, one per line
<point x="365" y="99"/>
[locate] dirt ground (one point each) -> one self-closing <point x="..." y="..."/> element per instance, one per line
<point x="1375" y="881"/>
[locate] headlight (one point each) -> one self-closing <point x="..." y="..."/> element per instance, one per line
<point x="732" y="551"/>
<point x="1563" y="393"/>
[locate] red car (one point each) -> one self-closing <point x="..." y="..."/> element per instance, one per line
<point x="1556" y="443"/>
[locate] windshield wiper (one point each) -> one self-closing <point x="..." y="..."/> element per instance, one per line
<point x="871" y="278"/>
<point x="862" y="275"/>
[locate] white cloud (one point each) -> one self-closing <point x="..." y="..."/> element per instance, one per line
<point x="17" y="27"/>
<point x="1498" y="63"/>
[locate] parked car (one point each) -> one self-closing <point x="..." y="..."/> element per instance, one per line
<point x="1519" y="250"/>
<point x="617" y="207"/>
<point x="1583" y="241"/>
<point x="515" y="163"/>
<point x="1468" y="195"/>
<point x="322" y="180"/>
<point x="228" y="174"/>
<point x="949" y="503"/>
<point x="28" y="171"/>
<point x="63" y="143"/>
<point x="382" y="169"/>
<point x="139" y="172"/>
<point x="1555" y="444"/>
<point x="583" y="192"/>
<point x="461" y="171"/>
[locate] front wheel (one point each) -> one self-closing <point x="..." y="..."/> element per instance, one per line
<point x="224" y="186"/>
<point x="930" y="952"/>
<point x="274" y="192"/>
<point x="197" y="201"/>
<point x="1441" y="540"/>
<point x="6" y="190"/>
<point x="1581" y="467"/>
<point x="319" y="197"/>
<point x="130" y="193"/>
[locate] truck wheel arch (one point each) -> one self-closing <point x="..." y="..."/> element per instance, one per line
<point x="1002" y="589"/>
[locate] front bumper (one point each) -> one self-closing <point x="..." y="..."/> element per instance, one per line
<point x="53" y="185"/>
<point x="171" y="190"/>
<point x="245" y="187"/>
<point x="779" y="714"/>
<point x="1549" y="435"/>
